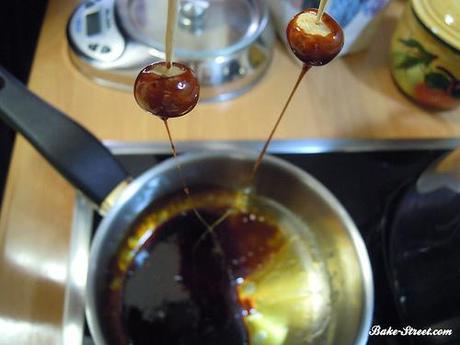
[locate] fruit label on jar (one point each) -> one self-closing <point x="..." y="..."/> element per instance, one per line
<point x="425" y="68"/>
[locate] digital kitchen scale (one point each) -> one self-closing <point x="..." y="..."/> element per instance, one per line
<point x="227" y="43"/>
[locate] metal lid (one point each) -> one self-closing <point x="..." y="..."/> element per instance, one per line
<point x="442" y="18"/>
<point x="205" y="27"/>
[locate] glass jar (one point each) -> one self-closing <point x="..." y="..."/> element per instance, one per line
<point x="425" y="53"/>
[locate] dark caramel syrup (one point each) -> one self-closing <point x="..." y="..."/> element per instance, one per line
<point x="181" y="287"/>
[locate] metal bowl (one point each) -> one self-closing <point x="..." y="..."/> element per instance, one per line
<point x="228" y="43"/>
<point x="349" y="284"/>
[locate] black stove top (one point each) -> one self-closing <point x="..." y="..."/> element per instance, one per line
<point x="369" y="185"/>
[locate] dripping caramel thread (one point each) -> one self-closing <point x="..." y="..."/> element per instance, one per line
<point x="181" y="176"/>
<point x="210" y="231"/>
<point x="304" y="70"/>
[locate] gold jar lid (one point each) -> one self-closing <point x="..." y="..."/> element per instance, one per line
<point x="441" y="17"/>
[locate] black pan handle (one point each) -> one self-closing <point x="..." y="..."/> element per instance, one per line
<point x="81" y="158"/>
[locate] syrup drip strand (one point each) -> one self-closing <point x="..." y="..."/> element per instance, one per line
<point x="185" y="188"/>
<point x="262" y="153"/>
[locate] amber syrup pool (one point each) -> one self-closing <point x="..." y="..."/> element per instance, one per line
<point x="255" y="277"/>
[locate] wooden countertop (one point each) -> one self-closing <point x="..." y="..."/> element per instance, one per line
<point x="353" y="97"/>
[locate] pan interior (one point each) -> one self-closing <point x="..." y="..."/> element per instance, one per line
<point x="256" y="277"/>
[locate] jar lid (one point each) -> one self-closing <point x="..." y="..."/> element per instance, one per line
<point x="442" y="18"/>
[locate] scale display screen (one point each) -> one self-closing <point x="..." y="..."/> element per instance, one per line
<point x="93" y="23"/>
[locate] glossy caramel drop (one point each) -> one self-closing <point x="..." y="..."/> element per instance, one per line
<point x="167" y="92"/>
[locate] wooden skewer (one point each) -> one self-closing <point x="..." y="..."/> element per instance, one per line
<point x="170" y="26"/>
<point x="321" y="7"/>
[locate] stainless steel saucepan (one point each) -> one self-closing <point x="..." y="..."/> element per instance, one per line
<point x="326" y="298"/>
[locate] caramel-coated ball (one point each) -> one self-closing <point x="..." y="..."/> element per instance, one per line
<point x="167" y="92"/>
<point x="314" y="42"/>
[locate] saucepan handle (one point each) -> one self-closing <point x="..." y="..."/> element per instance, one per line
<point x="79" y="156"/>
